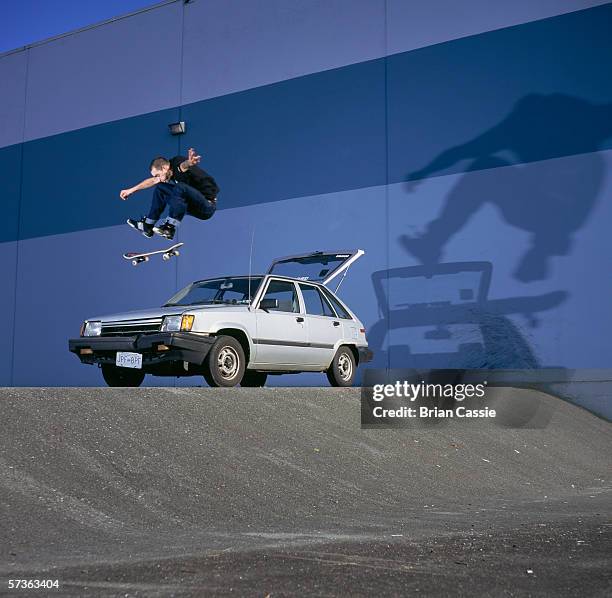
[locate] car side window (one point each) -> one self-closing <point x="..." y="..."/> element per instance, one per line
<point x="286" y="294"/>
<point x="316" y="303"/>
<point x="342" y="313"/>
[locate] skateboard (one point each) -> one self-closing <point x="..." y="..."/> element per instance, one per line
<point x="138" y="258"/>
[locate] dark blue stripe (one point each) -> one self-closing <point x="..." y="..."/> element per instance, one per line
<point x="312" y="135"/>
<point x="526" y="91"/>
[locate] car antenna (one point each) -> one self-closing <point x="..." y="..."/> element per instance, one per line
<point x="251" y="264"/>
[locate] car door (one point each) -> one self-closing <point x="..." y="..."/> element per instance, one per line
<point x="325" y="330"/>
<point x="281" y="333"/>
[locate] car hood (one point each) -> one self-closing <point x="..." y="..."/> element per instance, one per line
<point x="160" y="312"/>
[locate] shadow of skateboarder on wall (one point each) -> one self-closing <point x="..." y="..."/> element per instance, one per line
<point x="550" y="199"/>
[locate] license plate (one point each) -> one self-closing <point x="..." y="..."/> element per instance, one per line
<point x="129" y="360"/>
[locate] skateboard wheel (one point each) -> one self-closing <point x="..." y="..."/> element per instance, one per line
<point x="166" y="257"/>
<point x="134" y="262"/>
<point x="177" y="252"/>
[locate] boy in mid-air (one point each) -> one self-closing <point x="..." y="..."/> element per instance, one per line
<point x="179" y="184"/>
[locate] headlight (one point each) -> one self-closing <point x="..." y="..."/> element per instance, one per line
<point x="178" y="323"/>
<point x="91" y="328"/>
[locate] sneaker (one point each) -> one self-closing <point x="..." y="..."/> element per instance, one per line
<point x="142" y="225"/>
<point x="165" y="230"/>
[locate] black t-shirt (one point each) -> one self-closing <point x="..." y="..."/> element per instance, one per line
<point x="195" y="177"/>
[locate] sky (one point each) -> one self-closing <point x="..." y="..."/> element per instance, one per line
<point x="24" y="22"/>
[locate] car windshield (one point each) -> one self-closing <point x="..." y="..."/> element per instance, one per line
<point x="231" y="291"/>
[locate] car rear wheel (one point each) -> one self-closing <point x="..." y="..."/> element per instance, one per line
<point x="342" y="370"/>
<point x="225" y="364"/>
<point x="254" y="379"/>
<point x="114" y="376"/>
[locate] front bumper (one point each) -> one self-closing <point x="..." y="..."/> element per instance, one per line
<point x="365" y="354"/>
<point x="182" y="347"/>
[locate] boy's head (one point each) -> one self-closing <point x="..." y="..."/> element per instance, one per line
<point x="160" y="168"/>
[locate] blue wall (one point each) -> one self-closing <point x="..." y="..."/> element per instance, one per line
<point x="472" y="168"/>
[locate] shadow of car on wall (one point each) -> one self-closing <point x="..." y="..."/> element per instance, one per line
<point x="440" y="316"/>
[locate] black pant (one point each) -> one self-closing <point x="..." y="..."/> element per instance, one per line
<point x="181" y="199"/>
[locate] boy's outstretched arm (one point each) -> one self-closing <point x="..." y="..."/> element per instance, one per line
<point x="125" y="193"/>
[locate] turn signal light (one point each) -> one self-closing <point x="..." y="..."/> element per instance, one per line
<point x="86" y="351"/>
<point x="187" y="322"/>
<point x="163" y="348"/>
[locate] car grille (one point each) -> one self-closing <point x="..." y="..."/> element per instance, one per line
<point x="130" y="328"/>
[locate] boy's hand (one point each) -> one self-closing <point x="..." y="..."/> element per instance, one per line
<point x="192" y="157"/>
<point x="125" y="193"/>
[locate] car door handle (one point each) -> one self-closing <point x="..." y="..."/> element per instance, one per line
<point x="299" y="319"/>
<point x="336" y="323"/>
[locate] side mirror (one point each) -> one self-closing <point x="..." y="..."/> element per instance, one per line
<point x="267" y="304"/>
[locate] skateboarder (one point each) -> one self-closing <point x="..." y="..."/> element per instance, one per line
<point x="179" y="184"/>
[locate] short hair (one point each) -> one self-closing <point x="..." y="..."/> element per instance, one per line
<point x="159" y="162"/>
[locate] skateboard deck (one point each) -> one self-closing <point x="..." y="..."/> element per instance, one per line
<point x="143" y="256"/>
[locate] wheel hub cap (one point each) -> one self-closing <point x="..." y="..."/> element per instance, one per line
<point x="345" y="367"/>
<point x="228" y="362"/>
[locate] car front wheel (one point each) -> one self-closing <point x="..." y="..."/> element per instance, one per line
<point x="342" y="370"/>
<point x="114" y="376"/>
<point x="225" y="364"/>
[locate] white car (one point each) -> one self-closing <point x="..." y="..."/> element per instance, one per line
<point x="237" y="329"/>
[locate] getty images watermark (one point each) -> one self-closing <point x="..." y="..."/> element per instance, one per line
<point x="431" y="392"/>
<point x="405" y="398"/>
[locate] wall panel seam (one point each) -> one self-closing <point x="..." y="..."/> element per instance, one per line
<point x="19" y="202"/>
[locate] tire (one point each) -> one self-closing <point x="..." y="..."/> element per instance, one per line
<point x="114" y="376"/>
<point x="225" y="363"/>
<point x="343" y="368"/>
<point x="254" y="379"/>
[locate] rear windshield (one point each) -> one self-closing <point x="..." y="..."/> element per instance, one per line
<point x="313" y="267"/>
